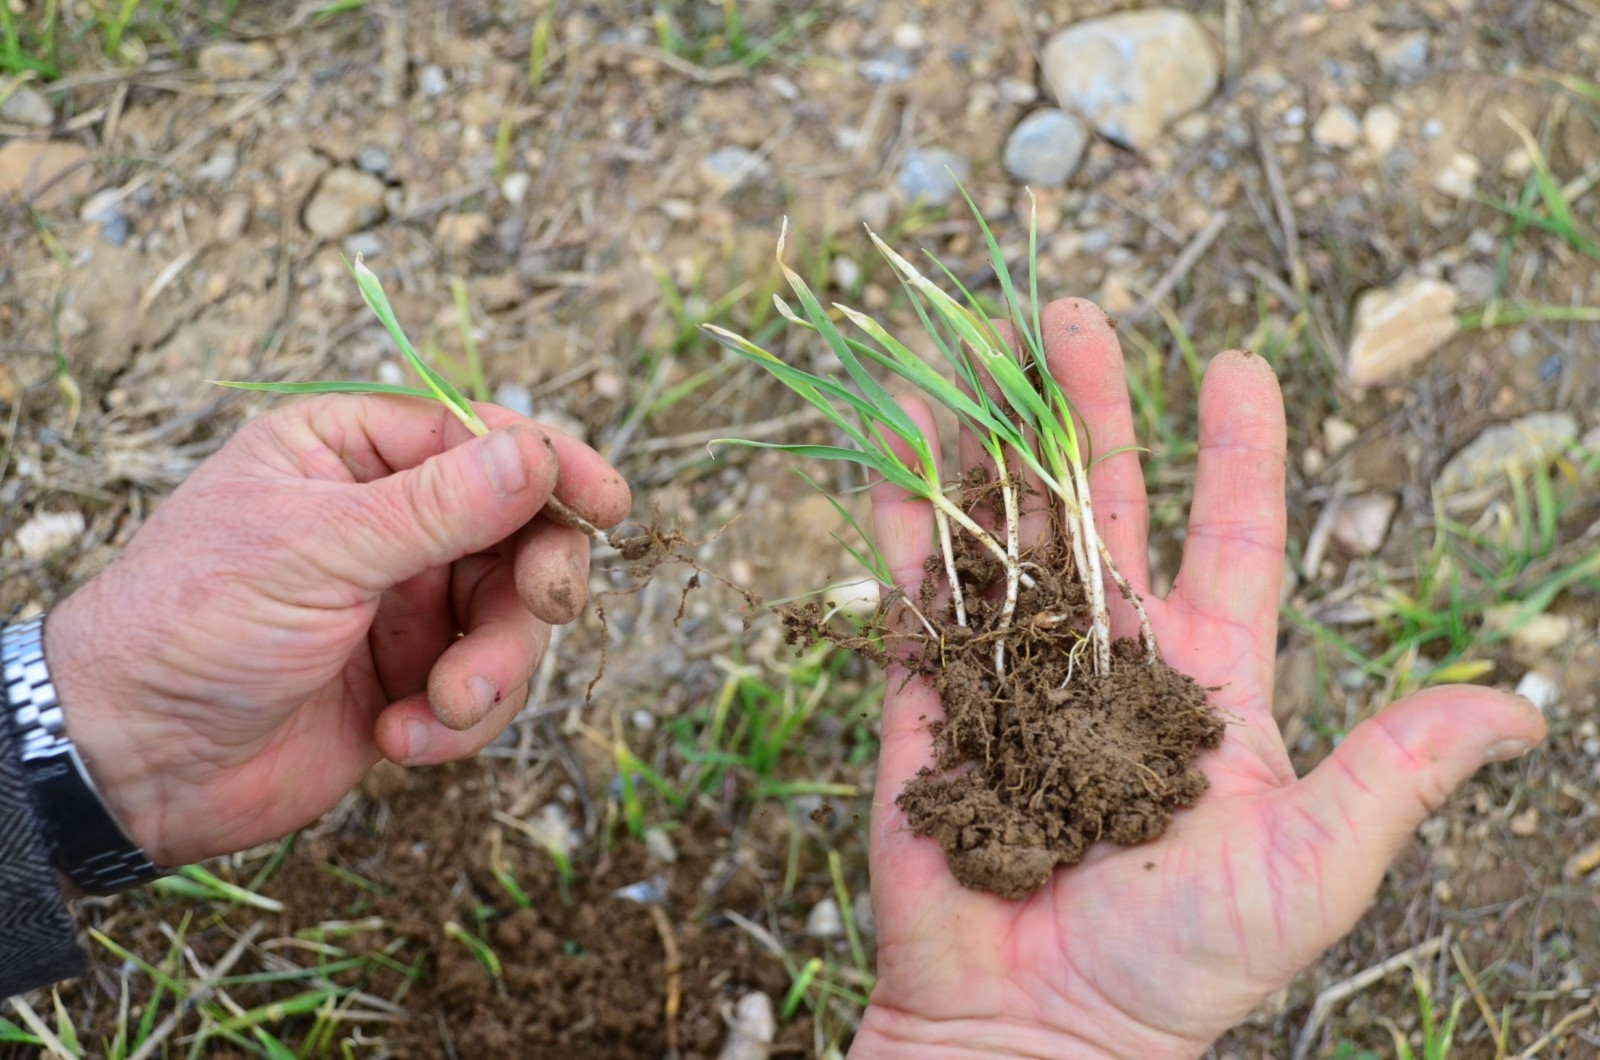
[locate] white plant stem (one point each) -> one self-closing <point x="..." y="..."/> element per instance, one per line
<point x="947" y="546"/>
<point x="1094" y="582"/>
<point x="1008" y="491"/>
<point x="1147" y="634"/>
<point x="941" y="503"/>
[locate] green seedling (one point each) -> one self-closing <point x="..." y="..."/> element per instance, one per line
<point x="196" y="883"/>
<point x="480" y="950"/>
<point x="1021" y="418"/>
<point x="438" y="388"/>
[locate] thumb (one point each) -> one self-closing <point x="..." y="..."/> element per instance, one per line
<point x="463" y="500"/>
<point x="1361" y="805"/>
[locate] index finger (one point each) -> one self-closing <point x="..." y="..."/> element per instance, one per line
<point x="359" y="438"/>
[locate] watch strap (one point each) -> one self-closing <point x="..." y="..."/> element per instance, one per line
<point x="85" y="840"/>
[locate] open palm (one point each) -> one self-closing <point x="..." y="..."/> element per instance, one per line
<point x="1154" y="950"/>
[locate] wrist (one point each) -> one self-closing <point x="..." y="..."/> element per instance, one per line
<point x="887" y="1033"/>
<point x="90" y="673"/>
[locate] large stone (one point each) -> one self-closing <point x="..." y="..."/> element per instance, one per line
<point x="1045" y="148"/>
<point x="1513" y="448"/>
<point x="44" y="173"/>
<point x="1132" y="73"/>
<point x="1395" y="327"/>
<point x="229" y="60"/>
<point x="751" y="1029"/>
<point x="345" y="202"/>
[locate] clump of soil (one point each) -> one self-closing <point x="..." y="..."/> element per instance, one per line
<point x="1035" y="766"/>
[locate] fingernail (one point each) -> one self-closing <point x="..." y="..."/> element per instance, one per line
<point x="480" y="694"/>
<point x="502" y="459"/>
<point x="1505" y="750"/>
<point x="418" y="737"/>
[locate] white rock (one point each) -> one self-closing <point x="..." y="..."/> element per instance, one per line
<point x="235" y="61"/>
<point x="824" y="921"/>
<point x="1338" y="435"/>
<point x="1395" y="327"/>
<point x="1016" y="91"/>
<point x="47" y="533"/>
<point x="26" y="106"/>
<point x="751" y="1029"/>
<point x="515" y="187"/>
<point x="1380" y="127"/>
<point x="845" y="273"/>
<point x="1337" y="127"/>
<point x="1132" y="73"/>
<point x="345" y="202"/>
<point x="220" y="166"/>
<point x="1509" y="449"/>
<point x="1361" y="523"/>
<point x="908" y="36"/>
<point x="1045" y="148"/>
<point x="1539" y="690"/>
<point x="234" y="218"/>
<point x="1458" y="178"/>
<point x="391" y="374"/>
<point x="432" y="82"/>
<point x="658" y="844"/>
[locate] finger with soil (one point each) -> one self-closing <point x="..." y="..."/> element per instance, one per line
<point x="1086" y="360"/>
<point x="552" y="571"/>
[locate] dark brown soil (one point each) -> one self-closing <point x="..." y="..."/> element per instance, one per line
<point x="1035" y="768"/>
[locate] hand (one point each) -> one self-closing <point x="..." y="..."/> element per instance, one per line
<point x="290" y="614"/>
<point x="1153" y="951"/>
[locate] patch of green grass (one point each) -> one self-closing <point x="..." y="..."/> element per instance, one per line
<point x="1438" y="1029"/>
<point x="51" y="38"/>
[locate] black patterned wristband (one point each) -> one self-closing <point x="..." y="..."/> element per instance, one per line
<point x="86" y="842"/>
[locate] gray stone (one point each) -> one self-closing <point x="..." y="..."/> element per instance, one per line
<point x="373" y="159"/>
<point x="888" y="69"/>
<point x="25" y="106"/>
<point x="728" y="168"/>
<point x="229" y="60"/>
<point x="1132" y="73"/>
<point x="1395" y="327"/>
<point x="516" y="397"/>
<point x="220" y="167"/>
<point x="932" y="174"/>
<point x="345" y="202"/>
<point x="1045" y="148"/>
<point x="432" y="82"/>
<point x="1509" y="449"/>
<point x="1404" y="58"/>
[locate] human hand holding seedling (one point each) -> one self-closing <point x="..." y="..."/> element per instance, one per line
<point x="291" y="613"/>
<point x="1154" y="950"/>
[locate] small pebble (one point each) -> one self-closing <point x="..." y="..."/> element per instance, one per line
<point x="1337" y="127"/>
<point x="373" y="159"/>
<point x="1380" y="127"/>
<point x="658" y="844"/>
<point x="646" y="892"/>
<point x="48" y="533"/>
<point x="432" y="82"/>
<point x="219" y="167"/>
<point x="515" y="187"/>
<point x="751" y="1029"/>
<point x="824" y="921"/>
<point x="516" y="397"/>
<point x="728" y="168"/>
<point x="391" y="374"/>
<point x="845" y="273"/>
<point x="1539" y="689"/>
<point x="1045" y="148"/>
<point x="932" y="175"/>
